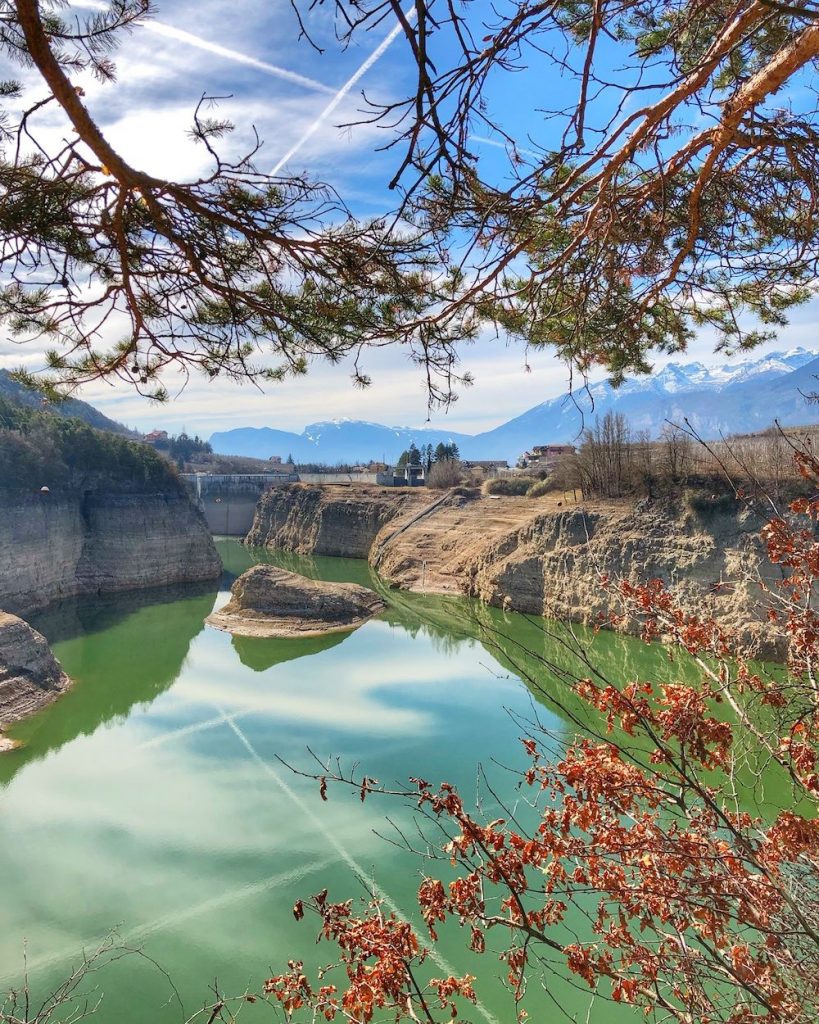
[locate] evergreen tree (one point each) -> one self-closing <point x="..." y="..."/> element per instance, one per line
<point x="637" y="225"/>
<point x="203" y="274"/>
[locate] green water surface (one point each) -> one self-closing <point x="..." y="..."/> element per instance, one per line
<point x="150" y="797"/>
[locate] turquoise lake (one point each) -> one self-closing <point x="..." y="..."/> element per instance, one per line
<point x="151" y="798"/>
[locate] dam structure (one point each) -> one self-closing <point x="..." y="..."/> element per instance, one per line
<point x="229" y="500"/>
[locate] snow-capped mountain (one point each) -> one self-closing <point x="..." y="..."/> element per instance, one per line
<point x="331" y="442"/>
<point x="752" y="394"/>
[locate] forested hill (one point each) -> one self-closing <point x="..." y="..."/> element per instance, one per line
<point x="68" y="408"/>
<point x="40" y="450"/>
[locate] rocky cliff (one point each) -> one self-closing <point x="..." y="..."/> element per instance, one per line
<point x="329" y="520"/>
<point x="537" y="555"/>
<point x="553" y="566"/>
<point x="30" y="675"/>
<point x="66" y="542"/>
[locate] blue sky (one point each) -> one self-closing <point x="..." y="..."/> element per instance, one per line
<point x="248" y="52"/>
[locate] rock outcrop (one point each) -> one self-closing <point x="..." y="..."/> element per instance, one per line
<point x="313" y="520"/>
<point x="60" y="544"/>
<point x="30" y="675"/>
<point x="555" y="564"/>
<point x="541" y="557"/>
<point x="267" y="601"/>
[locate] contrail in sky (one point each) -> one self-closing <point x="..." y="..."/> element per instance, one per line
<point x="504" y="145"/>
<point x="375" y="56"/>
<point x="181" y="36"/>
<point x="169" y="32"/>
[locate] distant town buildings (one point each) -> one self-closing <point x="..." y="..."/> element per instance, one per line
<point x="277" y="466"/>
<point x="544" y="456"/>
<point x="156" y="435"/>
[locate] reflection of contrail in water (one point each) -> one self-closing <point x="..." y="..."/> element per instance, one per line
<point x="142" y="931"/>
<point x="226" y="899"/>
<point x="375" y="56"/>
<point x="188" y="730"/>
<point x="342" y="851"/>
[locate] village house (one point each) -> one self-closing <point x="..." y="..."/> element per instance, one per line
<point x="544" y="456"/>
<point x="277" y="466"/>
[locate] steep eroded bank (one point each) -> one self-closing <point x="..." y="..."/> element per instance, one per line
<point x="30" y="675"/>
<point x="63" y="543"/>
<point x="532" y="555"/>
<point x="87" y="512"/>
<point x="343" y="521"/>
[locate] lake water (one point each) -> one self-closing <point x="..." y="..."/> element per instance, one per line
<point x="150" y="797"/>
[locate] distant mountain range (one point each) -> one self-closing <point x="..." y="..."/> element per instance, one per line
<point x="734" y="398"/>
<point x="69" y="407"/>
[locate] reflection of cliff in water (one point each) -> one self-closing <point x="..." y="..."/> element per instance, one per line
<point x="548" y="656"/>
<point x="236" y="559"/>
<point x="140" y="642"/>
<point x="261" y="653"/>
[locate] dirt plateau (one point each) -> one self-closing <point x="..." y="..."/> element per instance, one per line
<point x="541" y="556"/>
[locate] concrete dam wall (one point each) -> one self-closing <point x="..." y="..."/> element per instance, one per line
<point x="229" y="501"/>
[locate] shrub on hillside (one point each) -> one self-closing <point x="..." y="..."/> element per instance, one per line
<point x="444" y="474"/>
<point x="510" y="486"/>
<point x="707" y="505"/>
<point x="539" y="488"/>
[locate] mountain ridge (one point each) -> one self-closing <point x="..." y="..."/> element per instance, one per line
<point x="70" y="408"/>
<point x="753" y="393"/>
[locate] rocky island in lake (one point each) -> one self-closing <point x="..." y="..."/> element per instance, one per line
<point x="270" y="602"/>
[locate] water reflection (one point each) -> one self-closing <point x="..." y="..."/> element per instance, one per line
<point x="262" y="653"/>
<point x="141" y="640"/>
<point x="152" y="797"/>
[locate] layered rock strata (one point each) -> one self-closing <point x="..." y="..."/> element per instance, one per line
<point x="30" y="675"/>
<point x="55" y="545"/>
<point x="329" y="520"/>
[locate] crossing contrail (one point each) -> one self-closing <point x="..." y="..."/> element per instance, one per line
<point x="160" y="28"/>
<point x="374" y="57"/>
<point x="181" y="36"/>
<point x="341" y="850"/>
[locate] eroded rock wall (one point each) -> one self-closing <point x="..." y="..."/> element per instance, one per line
<point x="329" y="520"/>
<point x="30" y="675"/>
<point x="533" y="556"/>
<point x="58" y="545"/>
<point x="554" y="565"/>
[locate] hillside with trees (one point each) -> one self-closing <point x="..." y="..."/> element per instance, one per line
<point x="39" y="450"/>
